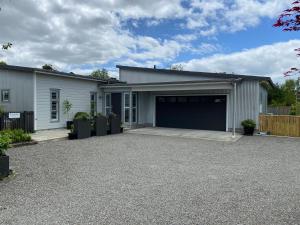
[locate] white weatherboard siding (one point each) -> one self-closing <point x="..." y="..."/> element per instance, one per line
<point x="76" y="91"/>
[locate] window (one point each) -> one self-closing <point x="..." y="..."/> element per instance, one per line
<point x="54" y="105"/>
<point x="107" y="103"/>
<point x="93" y="99"/>
<point x="126" y="107"/>
<point x="5" y="96"/>
<point x="134" y="107"/>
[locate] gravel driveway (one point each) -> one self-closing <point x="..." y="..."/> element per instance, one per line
<point x="138" y="179"/>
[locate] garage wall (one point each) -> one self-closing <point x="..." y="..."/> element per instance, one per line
<point x="148" y="77"/>
<point x="247" y="103"/>
<point x="147" y="102"/>
<point x="76" y="91"/>
<point x="247" y="106"/>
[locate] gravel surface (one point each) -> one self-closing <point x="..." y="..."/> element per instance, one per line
<point x="138" y="179"/>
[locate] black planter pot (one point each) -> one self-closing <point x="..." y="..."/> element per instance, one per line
<point x="249" y="131"/>
<point x="4" y="166"/>
<point x="72" y="136"/>
<point x="82" y="128"/>
<point x="69" y="125"/>
<point x="100" y="126"/>
<point x="115" y="125"/>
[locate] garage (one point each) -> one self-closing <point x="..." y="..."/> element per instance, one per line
<point x="192" y="112"/>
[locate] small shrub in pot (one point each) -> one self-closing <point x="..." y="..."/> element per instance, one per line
<point x="67" y="108"/>
<point x="82" y="125"/>
<point x="249" y="127"/>
<point x="100" y="125"/>
<point x="4" y="159"/>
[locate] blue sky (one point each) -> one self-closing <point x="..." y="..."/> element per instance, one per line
<point x="215" y="36"/>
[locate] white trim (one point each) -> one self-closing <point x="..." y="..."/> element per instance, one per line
<point x="105" y="106"/>
<point x="227" y="105"/>
<point x="34" y="102"/>
<point x="126" y="107"/>
<point x="154" y="111"/>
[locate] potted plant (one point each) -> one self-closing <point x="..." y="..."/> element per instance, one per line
<point x="249" y="127"/>
<point x="72" y="134"/>
<point x="67" y="108"/>
<point x="114" y="124"/>
<point x="100" y="125"/>
<point x="82" y="125"/>
<point x="4" y="159"/>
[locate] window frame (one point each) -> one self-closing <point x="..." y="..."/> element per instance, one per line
<point x="126" y="107"/>
<point x="93" y="93"/>
<point x="107" y="107"/>
<point x="57" y="101"/>
<point x="134" y="94"/>
<point x="2" y="95"/>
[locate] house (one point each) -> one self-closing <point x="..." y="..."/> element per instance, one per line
<point x="141" y="97"/>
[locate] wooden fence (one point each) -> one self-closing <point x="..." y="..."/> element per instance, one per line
<point x="280" y="125"/>
<point x="24" y="121"/>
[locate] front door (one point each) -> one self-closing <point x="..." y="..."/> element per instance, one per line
<point x="116" y="104"/>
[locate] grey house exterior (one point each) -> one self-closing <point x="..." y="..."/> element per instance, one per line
<point x="142" y="97"/>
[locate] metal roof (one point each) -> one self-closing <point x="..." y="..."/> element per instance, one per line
<point x="194" y="73"/>
<point x="55" y="73"/>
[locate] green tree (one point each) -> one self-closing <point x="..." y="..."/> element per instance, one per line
<point x="100" y="74"/>
<point x="177" y="67"/>
<point x="282" y="95"/>
<point x="48" y="67"/>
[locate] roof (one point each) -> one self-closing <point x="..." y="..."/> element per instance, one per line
<point x="230" y="80"/>
<point x="56" y="73"/>
<point x="194" y="73"/>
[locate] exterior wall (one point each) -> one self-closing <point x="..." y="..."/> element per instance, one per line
<point x="247" y="103"/>
<point x="263" y="100"/>
<point x="76" y="91"/>
<point x="20" y="85"/>
<point x="148" y="77"/>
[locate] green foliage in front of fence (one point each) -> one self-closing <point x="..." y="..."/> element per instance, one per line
<point x="16" y="136"/>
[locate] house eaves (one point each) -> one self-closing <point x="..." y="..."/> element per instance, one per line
<point x="193" y="73"/>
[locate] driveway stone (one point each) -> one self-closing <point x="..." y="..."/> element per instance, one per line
<point x="140" y="179"/>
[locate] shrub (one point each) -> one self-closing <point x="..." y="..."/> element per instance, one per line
<point x="4" y="143"/>
<point x="81" y="116"/>
<point x="248" y="123"/>
<point x="16" y="136"/>
<point x="100" y="115"/>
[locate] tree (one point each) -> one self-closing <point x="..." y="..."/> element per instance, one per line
<point x="100" y="74"/>
<point x="289" y="20"/>
<point x="48" y="67"/>
<point x="177" y="67"/>
<point x="282" y="95"/>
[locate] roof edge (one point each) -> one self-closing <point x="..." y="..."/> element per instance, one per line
<point x="194" y="73"/>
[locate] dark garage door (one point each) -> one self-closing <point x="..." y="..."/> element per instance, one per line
<point x="191" y="112"/>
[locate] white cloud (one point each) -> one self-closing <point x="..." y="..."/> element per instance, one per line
<point x="72" y="34"/>
<point x="268" y="60"/>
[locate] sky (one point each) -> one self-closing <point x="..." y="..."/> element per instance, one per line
<point x="232" y="36"/>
